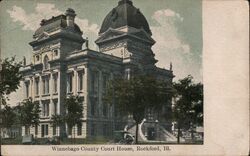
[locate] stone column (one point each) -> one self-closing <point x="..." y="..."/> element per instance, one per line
<point x="87" y="90"/>
<point x="40" y="91"/>
<point x="85" y="85"/>
<point x="75" y="84"/>
<point x="33" y="87"/>
<point x="51" y="93"/>
<point x="30" y="87"/>
<point x="58" y="91"/>
<point x="99" y="93"/>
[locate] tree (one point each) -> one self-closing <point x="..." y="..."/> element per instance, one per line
<point x="58" y="121"/>
<point x="8" y="116"/>
<point x="73" y="116"/>
<point x="188" y="107"/>
<point x="9" y="82"/>
<point x="74" y="112"/>
<point x="10" y="76"/>
<point x="29" y="114"/>
<point x="134" y="96"/>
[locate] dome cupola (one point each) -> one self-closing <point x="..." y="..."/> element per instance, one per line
<point x="125" y="14"/>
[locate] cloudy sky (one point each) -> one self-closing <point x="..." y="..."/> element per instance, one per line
<point x="176" y="26"/>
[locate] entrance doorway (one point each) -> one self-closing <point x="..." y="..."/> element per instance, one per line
<point x="151" y="133"/>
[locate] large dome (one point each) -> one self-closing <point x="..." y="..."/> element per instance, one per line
<point x="125" y="14"/>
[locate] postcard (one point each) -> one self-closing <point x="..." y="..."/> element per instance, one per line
<point x="124" y="77"/>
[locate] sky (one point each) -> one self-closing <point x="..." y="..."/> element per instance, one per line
<point x="176" y="26"/>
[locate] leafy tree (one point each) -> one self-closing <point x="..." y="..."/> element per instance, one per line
<point x="10" y="76"/>
<point x="74" y="112"/>
<point x="29" y="114"/>
<point x="188" y="107"/>
<point x="9" y="82"/>
<point x="8" y="116"/>
<point x="58" y="121"/>
<point x="137" y="94"/>
<point x="73" y="116"/>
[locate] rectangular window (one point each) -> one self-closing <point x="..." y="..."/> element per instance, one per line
<point x="43" y="85"/>
<point x="46" y="129"/>
<point x="92" y="82"/>
<point x="115" y="111"/>
<point x="93" y="105"/>
<point x="55" y="108"/>
<point x="79" y="129"/>
<point x="92" y="131"/>
<point x="104" y="85"/>
<point x="42" y="130"/>
<point x="104" y="109"/>
<point x="70" y="83"/>
<point x="47" y="110"/>
<point x="80" y="81"/>
<point x="54" y="130"/>
<point x="43" y="109"/>
<point x="105" y="130"/>
<point x="36" y="130"/>
<point x="37" y="86"/>
<point x="47" y="85"/>
<point x="27" y="87"/>
<point x="55" y="77"/>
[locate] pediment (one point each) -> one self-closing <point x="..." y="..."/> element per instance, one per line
<point x="110" y="34"/>
<point x="43" y="36"/>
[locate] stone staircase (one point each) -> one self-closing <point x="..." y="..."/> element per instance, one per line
<point x="162" y="134"/>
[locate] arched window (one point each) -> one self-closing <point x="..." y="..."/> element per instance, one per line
<point x="46" y="62"/>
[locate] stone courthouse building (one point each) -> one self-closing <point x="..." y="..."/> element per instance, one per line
<point x="60" y="68"/>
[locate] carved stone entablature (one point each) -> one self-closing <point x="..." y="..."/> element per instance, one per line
<point x="111" y="46"/>
<point x="139" y="46"/>
<point x="45" y="48"/>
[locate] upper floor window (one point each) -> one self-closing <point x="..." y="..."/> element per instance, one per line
<point x="80" y="80"/>
<point x="45" y="109"/>
<point x="70" y="83"/>
<point x="37" y="86"/>
<point x="105" y="82"/>
<point x="105" y="109"/>
<point x="37" y="57"/>
<point x="93" y="129"/>
<point x="27" y="87"/>
<point x="55" y="77"/>
<point x="56" y="52"/>
<point x="46" y="85"/>
<point x="55" y="107"/>
<point x="46" y="62"/>
<point x="94" y="82"/>
<point x="93" y="106"/>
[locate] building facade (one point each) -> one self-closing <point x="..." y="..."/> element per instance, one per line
<point x="60" y="68"/>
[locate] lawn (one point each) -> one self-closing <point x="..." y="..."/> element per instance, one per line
<point x="65" y="141"/>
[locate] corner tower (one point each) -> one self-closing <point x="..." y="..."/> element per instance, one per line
<point x="125" y="33"/>
<point x="56" y="38"/>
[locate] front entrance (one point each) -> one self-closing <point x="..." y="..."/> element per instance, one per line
<point x="151" y="133"/>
